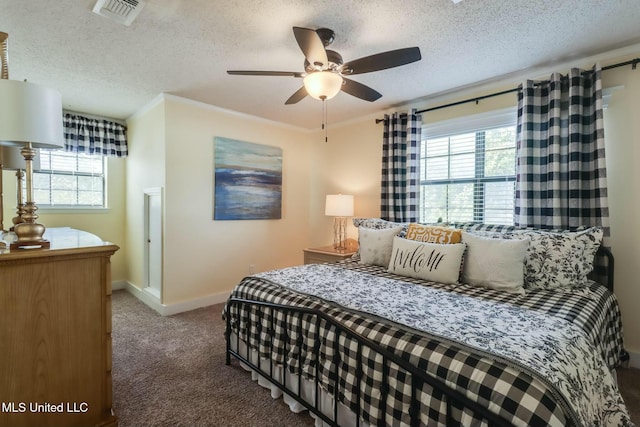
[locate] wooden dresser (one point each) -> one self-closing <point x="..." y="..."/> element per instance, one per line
<point x="55" y="333"/>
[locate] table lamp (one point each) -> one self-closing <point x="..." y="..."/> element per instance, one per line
<point x="30" y="117"/>
<point x="339" y="206"/>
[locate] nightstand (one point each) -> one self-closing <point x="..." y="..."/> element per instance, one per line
<point x="326" y="254"/>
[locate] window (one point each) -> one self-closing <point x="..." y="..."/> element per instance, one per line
<point x="467" y="169"/>
<point x="70" y="180"/>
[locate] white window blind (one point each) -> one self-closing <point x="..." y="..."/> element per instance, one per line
<point x="468" y="170"/>
<point x="69" y="180"/>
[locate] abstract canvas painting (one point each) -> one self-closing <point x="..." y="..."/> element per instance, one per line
<point x="248" y="180"/>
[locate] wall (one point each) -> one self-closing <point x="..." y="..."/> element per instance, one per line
<point x="622" y="135"/>
<point x="145" y="169"/>
<point x="108" y="224"/>
<point x="351" y="162"/>
<point x="348" y="166"/>
<point x="204" y="259"/>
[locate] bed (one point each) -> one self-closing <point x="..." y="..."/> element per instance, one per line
<point x="372" y="342"/>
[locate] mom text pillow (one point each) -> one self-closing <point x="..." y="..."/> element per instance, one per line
<point x="436" y="262"/>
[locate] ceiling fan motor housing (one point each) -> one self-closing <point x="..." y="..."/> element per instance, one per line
<point x="334" y="62"/>
<point x="326" y="35"/>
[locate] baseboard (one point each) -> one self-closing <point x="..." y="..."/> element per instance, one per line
<point x="118" y="284"/>
<point x="180" y="307"/>
<point x="634" y="359"/>
<point x="170" y="309"/>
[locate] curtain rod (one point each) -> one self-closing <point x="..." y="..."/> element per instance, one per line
<point x="94" y="116"/>
<point x="634" y="62"/>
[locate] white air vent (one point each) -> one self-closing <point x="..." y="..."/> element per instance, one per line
<point x="122" y="11"/>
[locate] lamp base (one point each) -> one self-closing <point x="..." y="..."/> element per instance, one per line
<point x="340" y="233"/>
<point x="29" y="236"/>
<point x="30" y="244"/>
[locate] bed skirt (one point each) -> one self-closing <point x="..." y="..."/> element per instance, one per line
<point x="346" y="417"/>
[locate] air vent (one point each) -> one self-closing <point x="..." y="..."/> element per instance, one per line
<point x="122" y="11"/>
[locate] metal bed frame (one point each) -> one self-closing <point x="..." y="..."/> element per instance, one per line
<point x="604" y="254"/>
<point x="418" y="377"/>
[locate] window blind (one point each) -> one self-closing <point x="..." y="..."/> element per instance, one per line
<point x="469" y="176"/>
<point x="67" y="179"/>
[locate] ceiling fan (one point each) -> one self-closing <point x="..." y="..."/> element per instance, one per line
<point x="324" y="70"/>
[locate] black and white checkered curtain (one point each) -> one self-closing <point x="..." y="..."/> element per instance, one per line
<point x="561" y="172"/>
<point x="94" y="136"/>
<point x="400" y="167"/>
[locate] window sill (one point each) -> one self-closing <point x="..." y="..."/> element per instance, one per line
<point x="72" y="210"/>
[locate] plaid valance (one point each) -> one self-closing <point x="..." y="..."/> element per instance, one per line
<point x="94" y="136"/>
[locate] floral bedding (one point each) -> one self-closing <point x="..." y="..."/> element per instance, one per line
<point x="548" y="353"/>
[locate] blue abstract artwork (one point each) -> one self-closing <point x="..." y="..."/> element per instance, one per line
<point x="247" y="180"/>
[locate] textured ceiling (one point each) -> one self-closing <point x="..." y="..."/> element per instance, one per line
<point x="184" y="47"/>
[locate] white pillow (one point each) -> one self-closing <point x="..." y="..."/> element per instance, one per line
<point x="376" y="245"/>
<point x="494" y="263"/>
<point x="436" y="262"/>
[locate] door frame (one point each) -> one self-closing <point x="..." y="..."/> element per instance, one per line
<point x="148" y="193"/>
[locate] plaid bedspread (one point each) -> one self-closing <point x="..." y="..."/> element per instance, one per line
<point x="516" y="393"/>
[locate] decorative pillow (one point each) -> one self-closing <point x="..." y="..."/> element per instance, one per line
<point x="376" y="245"/>
<point x="481" y="227"/>
<point x="433" y="234"/>
<point x="380" y="224"/>
<point x="558" y="259"/>
<point x="494" y="263"/>
<point x="429" y="261"/>
<point x="592" y="239"/>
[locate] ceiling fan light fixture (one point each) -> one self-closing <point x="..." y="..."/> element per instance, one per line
<point x="323" y="85"/>
<point x="325" y="72"/>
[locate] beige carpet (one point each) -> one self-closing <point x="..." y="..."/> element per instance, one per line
<point x="170" y="371"/>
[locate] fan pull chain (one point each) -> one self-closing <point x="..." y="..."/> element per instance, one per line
<point x="324" y="120"/>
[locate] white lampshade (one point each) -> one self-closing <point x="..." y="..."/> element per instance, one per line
<point x="30" y="113"/>
<point x="339" y="205"/>
<point x="323" y="84"/>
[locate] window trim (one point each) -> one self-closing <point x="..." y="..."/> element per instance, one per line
<point x="476" y="122"/>
<point x="72" y="210"/>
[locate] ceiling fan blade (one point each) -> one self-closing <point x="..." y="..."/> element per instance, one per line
<point x="265" y="73"/>
<point x="297" y="96"/>
<point x="312" y="46"/>
<point x="360" y="91"/>
<point x="382" y="61"/>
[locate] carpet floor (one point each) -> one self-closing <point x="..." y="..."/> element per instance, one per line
<point x="170" y="371"/>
